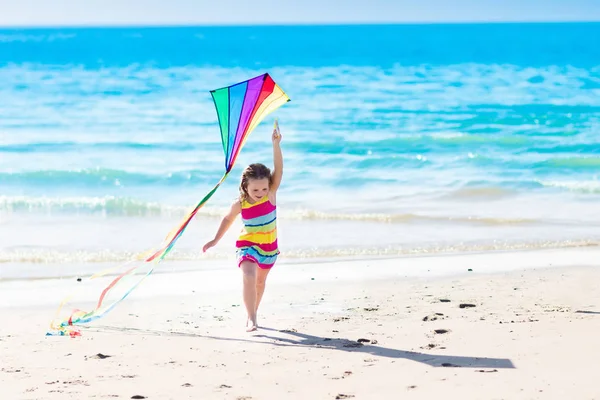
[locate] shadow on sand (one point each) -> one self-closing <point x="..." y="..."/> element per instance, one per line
<point x="291" y="338"/>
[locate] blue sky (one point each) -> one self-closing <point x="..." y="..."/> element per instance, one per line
<point x="169" y="12"/>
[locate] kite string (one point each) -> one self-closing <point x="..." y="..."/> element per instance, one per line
<point x="156" y="257"/>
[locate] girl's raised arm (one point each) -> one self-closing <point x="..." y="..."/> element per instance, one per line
<point x="277" y="161"/>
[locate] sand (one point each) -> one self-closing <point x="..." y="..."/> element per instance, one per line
<point x="518" y="326"/>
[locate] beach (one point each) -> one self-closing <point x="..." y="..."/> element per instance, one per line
<point x="437" y="219"/>
<point x="507" y="325"/>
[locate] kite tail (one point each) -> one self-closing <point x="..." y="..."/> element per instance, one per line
<point x="79" y="317"/>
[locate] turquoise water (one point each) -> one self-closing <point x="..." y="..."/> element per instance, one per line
<point x="398" y="139"/>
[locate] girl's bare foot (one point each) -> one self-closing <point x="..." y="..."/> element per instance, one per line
<point x="252" y="326"/>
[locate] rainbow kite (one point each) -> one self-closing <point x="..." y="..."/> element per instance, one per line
<point x="240" y="108"/>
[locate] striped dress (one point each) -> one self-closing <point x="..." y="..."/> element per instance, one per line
<point x="258" y="239"/>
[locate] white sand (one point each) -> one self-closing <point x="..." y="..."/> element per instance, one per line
<point x="180" y="336"/>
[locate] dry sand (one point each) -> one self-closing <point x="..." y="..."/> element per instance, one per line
<point x="385" y="329"/>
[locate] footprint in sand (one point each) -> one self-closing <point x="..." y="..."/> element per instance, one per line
<point x="434" y="317"/>
<point x="341" y="319"/>
<point x="76" y="382"/>
<point x="100" y="356"/>
<point x="372" y="341"/>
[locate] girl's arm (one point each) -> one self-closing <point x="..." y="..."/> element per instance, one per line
<point x="277" y="161"/>
<point x="228" y="219"/>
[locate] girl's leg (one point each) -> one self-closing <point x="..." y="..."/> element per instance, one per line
<point x="249" y="269"/>
<point x="261" y="278"/>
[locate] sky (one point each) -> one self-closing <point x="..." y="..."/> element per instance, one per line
<point x="250" y="12"/>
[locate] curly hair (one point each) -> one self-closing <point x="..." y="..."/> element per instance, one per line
<point x="253" y="171"/>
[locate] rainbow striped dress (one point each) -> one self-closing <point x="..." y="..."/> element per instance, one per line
<point x="258" y="239"/>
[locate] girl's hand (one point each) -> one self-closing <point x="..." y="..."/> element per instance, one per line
<point x="208" y="245"/>
<point x="276" y="135"/>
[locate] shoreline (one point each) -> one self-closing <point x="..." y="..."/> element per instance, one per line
<point x="47" y="271"/>
<point x="170" y="278"/>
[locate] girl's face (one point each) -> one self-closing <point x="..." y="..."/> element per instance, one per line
<point x="258" y="188"/>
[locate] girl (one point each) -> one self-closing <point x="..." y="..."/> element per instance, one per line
<point x="256" y="246"/>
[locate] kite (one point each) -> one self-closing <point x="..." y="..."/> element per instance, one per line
<point x="240" y="108"/>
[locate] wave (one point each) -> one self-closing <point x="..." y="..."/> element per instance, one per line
<point x="410" y="143"/>
<point x="482" y="190"/>
<point x="578" y="148"/>
<point x="403" y="218"/>
<point x="105" y="177"/>
<point x="108" y="205"/>
<point x="45" y="256"/>
<point x="523" y="161"/>
<point x="68" y="146"/>
<point x="440" y="143"/>
<point x="580" y="163"/>
<point x="21" y="37"/>
<point x="479" y="193"/>
<point x="127" y="207"/>
<point x="586" y="187"/>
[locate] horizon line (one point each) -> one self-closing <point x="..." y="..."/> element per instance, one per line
<point x="290" y="24"/>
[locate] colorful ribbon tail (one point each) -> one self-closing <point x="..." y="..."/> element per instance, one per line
<point x="78" y="317"/>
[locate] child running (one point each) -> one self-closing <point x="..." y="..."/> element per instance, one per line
<point x="256" y="246"/>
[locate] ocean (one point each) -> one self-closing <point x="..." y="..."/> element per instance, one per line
<point x="398" y="140"/>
